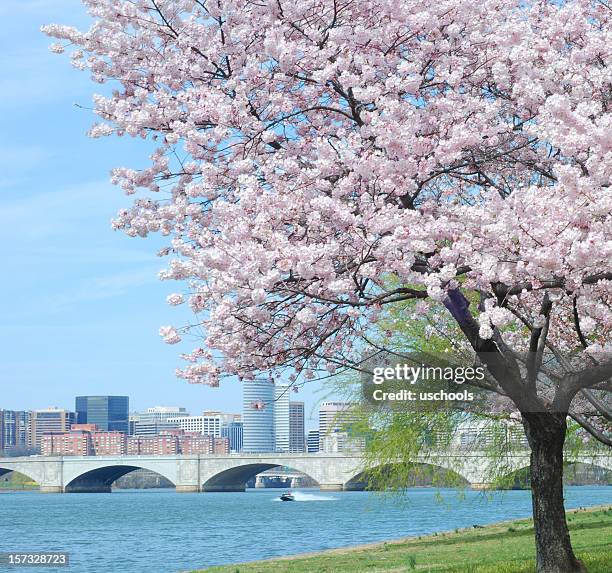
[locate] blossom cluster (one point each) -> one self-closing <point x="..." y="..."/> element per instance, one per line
<point x="324" y="147"/>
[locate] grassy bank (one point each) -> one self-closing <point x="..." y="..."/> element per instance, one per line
<point x="14" y="485"/>
<point x="502" y="548"/>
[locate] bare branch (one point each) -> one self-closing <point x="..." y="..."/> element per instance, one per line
<point x="600" y="436"/>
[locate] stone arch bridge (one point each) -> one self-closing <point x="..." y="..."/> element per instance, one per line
<point x="231" y="472"/>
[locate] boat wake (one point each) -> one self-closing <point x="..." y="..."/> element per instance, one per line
<point x="300" y="496"/>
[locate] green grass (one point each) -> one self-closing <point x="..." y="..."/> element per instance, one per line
<point x="18" y="485"/>
<point x="506" y="547"/>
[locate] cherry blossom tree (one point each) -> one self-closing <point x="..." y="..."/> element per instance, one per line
<point x="307" y="152"/>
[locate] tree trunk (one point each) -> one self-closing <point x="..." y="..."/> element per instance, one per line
<point x="546" y="435"/>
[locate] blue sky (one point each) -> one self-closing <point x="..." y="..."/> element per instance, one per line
<point x="80" y="304"/>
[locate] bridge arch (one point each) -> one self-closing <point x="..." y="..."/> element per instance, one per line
<point x="100" y="478"/>
<point x="18" y="470"/>
<point x="236" y="477"/>
<point x="411" y="475"/>
<point x="519" y="478"/>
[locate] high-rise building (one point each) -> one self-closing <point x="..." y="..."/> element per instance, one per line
<point x="281" y="417"/>
<point x="234" y="432"/>
<point x="47" y="421"/>
<point x="335" y="419"/>
<point x="208" y="424"/>
<point x="296" y="427"/>
<point x="258" y="415"/>
<point x="155" y="420"/>
<point x="15" y="429"/>
<point x="312" y="442"/>
<point x="332" y="416"/>
<point x="109" y="413"/>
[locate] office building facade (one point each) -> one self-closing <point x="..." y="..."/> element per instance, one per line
<point x="335" y="420"/>
<point x="258" y="416"/>
<point x="15" y="432"/>
<point x="47" y="421"/>
<point x="281" y="418"/>
<point x="109" y="413"/>
<point x="312" y="442"/>
<point x="234" y="432"/>
<point x="208" y="424"/>
<point x="296" y="427"/>
<point x="155" y="420"/>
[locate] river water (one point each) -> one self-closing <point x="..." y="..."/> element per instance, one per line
<point x="160" y="531"/>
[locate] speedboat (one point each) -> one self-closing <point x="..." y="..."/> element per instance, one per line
<point x="287" y="496"/>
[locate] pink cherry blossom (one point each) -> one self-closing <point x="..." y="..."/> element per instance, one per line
<point x="175" y="299"/>
<point x="169" y="334"/>
<point x="316" y="164"/>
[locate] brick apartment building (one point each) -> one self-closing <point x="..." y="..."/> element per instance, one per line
<point x="73" y="443"/>
<point x="220" y="446"/>
<point x="83" y="440"/>
<point x="160" y="445"/>
<point x="88" y="440"/>
<point x="175" y="441"/>
<point x="195" y="443"/>
<point x="109" y="443"/>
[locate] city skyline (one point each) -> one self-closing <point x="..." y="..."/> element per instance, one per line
<point x="269" y="422"/>
<point x="311" y="410"/>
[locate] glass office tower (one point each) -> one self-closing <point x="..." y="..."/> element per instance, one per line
<point x="109" y="413"/>
<point x="258" y="416"/>
<point x="235" y="433"/>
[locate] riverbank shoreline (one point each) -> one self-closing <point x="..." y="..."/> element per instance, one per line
<point x="590" y="527"/>
<point x="12" y="487"/>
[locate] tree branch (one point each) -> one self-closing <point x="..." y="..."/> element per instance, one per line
<point x="505" y="373"/>
<point x="598" y="404"/>
<point x="600" y="436"/>
<point x="537" y="343"/>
